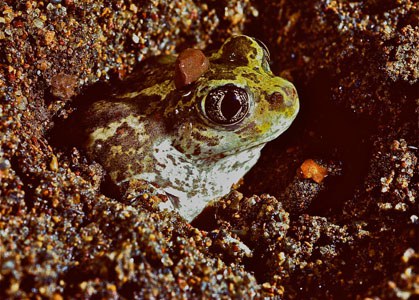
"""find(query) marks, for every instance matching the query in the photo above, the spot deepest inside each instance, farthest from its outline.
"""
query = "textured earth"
(330, 211)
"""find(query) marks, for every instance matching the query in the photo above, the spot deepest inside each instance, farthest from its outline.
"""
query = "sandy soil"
(352, 234)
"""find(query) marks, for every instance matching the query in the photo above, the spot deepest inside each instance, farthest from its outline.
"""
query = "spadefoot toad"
(191, 143)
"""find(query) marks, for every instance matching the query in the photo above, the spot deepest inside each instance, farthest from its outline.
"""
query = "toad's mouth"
(211, 158)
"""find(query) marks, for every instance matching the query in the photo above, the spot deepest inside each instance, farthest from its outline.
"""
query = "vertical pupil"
(226, 105)
(230, 105)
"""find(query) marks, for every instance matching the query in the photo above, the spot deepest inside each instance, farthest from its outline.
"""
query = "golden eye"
(227, 105)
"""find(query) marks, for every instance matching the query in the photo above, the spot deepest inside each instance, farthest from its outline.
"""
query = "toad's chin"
(191, 185)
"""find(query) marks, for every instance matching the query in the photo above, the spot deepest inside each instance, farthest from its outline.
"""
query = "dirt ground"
(350, 235)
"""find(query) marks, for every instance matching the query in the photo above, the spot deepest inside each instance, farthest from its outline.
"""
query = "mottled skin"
(149, 130)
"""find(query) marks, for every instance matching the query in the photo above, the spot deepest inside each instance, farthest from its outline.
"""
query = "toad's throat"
(189, 186)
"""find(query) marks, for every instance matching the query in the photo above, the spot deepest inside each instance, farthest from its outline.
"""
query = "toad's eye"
(227, 105)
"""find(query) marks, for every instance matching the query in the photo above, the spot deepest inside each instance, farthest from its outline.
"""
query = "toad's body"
(192, 143)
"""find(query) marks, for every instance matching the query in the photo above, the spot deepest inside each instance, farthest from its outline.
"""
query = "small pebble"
(4, 164)
(311, 169)
(63, 86)
(190, 65)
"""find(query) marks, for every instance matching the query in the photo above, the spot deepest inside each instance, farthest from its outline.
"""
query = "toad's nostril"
(291, 93)
(276, 100)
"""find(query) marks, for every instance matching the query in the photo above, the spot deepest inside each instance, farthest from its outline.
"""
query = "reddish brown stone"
(311, 169)
(63, 86)
(190, 65)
